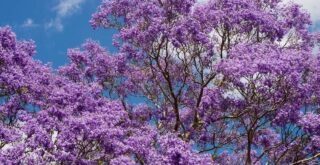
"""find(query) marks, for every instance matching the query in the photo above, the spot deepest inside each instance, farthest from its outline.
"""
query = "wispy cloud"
(29, 23)
(68, 7)
(64, 9)
(55, 23)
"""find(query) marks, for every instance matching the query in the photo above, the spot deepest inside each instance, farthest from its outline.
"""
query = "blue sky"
(55, 25)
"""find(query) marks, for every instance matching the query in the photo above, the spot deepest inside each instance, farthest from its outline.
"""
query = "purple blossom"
(219, 82)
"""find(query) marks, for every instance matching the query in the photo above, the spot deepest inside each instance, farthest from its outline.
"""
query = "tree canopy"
(217, 82)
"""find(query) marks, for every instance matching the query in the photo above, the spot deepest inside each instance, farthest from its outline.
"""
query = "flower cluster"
(65, 118)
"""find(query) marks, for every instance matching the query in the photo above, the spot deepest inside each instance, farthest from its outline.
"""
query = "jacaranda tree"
(192, 83)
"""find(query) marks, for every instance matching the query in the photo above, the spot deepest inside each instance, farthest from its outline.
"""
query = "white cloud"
(28, 23)
(55, 23)
(68, 7)
(64, 9)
